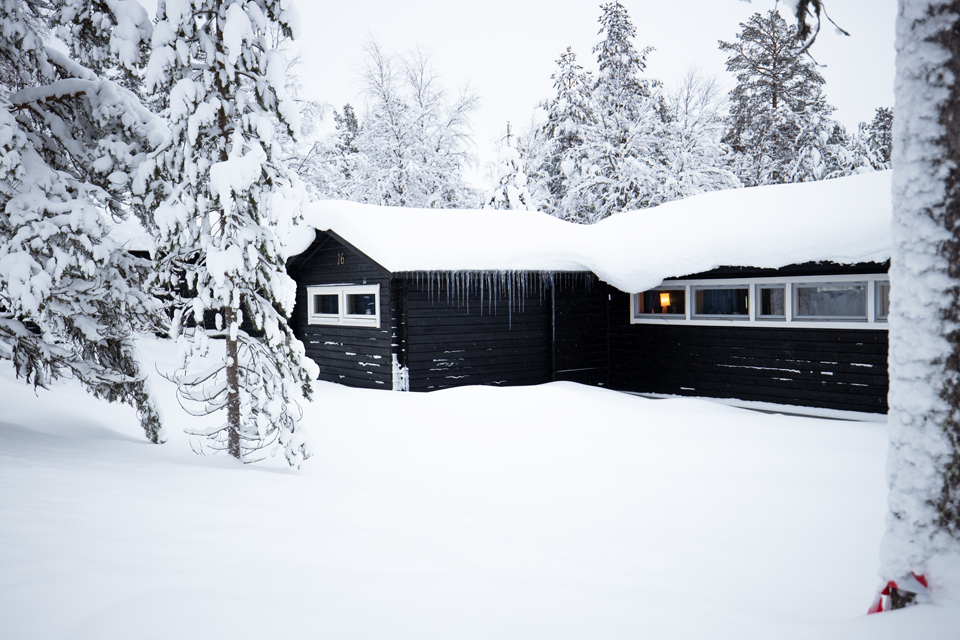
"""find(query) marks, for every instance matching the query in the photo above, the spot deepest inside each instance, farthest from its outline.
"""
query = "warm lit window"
(661, 302)
(883, 301)
(831, 301)
(772, 302)
(356, 305)
(720, 301)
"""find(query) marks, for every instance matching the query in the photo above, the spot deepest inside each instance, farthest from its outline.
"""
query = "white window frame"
(867, 286)
(719, 316)
(753, 291)
(342, 318)
(635, 303)
(876, 300)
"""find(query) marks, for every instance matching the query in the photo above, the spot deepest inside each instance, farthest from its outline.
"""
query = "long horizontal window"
(349, 305)
(839, 301)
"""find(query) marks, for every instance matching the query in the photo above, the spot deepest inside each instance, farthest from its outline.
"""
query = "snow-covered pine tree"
(923, 463)
(779, 118)
(220, 199)
(621, 164)
(923, 525)
(850, 154)
(563, 132)
(70, 297)
(879, 135)
(510, 188)
(348, 128)
(532, 146)
(334, 163)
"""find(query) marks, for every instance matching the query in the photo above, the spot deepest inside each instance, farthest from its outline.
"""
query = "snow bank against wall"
(846, 220)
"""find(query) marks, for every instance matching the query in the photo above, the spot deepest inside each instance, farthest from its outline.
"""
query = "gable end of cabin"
(344, 313)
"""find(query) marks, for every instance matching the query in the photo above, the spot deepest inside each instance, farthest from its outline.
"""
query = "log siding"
(828, 368)
(355, 356)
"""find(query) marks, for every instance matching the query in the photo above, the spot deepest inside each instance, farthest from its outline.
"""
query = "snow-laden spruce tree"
(850, 154)
(563, 132)
(923, 462)
(923, 526)
(779, 117)
(621, 163)
(344, 163)
(220, 198)
(510, 182)
(879, 135)
(70, 138)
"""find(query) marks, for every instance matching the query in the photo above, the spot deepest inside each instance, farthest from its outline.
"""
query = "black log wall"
(453, 337)
(355, 356)
(580, 329)
(830, 368)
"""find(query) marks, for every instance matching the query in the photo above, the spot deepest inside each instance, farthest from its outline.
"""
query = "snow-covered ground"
(557, 511)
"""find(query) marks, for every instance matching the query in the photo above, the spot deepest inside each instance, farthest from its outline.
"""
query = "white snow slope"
(556, 511)
(844, 220)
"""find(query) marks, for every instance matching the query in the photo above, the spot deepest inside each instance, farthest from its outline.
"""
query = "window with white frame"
(348, 305)
(839, 301)
(661, 302)
(772, 301)
(720, 301)
(831, 301)
(883, 301)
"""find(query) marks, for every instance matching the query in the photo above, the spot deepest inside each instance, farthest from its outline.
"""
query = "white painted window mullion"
(788, 302)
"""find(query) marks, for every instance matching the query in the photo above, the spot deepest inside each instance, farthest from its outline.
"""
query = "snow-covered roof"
(846, 220)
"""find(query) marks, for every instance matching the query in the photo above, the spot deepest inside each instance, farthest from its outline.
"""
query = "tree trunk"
(233, 386)
(923, 530)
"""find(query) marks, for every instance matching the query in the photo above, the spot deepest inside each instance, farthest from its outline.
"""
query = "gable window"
(347, 305)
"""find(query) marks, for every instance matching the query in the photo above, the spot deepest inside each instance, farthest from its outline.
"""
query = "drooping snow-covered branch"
(71, 136)
(221, 198)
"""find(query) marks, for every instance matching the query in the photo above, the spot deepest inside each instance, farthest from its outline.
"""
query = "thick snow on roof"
(846, 220)
(403, 239)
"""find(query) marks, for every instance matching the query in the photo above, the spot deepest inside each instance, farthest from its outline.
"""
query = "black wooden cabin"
(366, 326)
(449, 329)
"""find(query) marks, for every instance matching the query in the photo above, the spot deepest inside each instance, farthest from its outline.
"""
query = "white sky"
(507, 48)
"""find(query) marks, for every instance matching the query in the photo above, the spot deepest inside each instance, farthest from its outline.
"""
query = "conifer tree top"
(620, 62)
(769, 71)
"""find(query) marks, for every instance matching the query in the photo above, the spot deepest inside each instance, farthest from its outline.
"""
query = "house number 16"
(340, 259)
